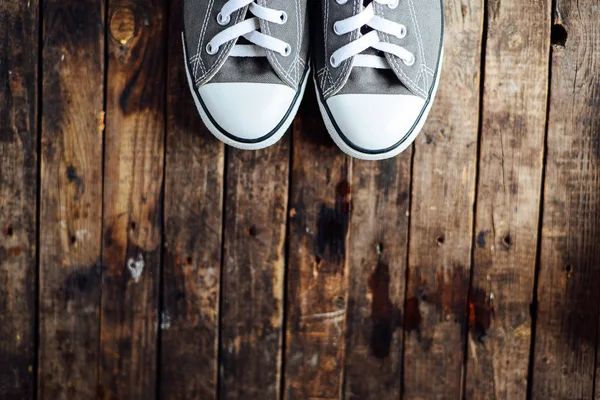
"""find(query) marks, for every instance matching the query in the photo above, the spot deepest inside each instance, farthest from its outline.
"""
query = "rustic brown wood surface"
(133, 194)
(376, 278)
(70, 224)
(142, 259)
(508, 202)
(566, 341)
(253, 268)
(441, 223)
(316, 289)
(192, 240)
(18, 190)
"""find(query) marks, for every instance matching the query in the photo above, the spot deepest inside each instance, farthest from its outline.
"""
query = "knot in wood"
(122, 25)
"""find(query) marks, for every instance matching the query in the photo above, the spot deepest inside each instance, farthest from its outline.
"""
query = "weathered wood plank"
(193, 231)
(71, 193)
(442, 218)
(19, 53)
(133, 179)
(566, 329)
(376, 278)
(316, 286)
(508, 202)
(253, 272)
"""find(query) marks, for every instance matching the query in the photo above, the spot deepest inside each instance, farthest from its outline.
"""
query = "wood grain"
(253, 272)
(377, 300)
(18, 196)
(566, 331)
(133, 179)
(376, 278)
(443, 195)
(70, 203)
(320, 208)
(508, 202)
(193, 231)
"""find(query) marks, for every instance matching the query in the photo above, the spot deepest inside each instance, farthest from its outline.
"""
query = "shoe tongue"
(373, 81)
(246, 69)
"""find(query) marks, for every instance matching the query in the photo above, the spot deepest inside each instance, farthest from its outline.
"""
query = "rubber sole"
(270, 139)
(408, 140)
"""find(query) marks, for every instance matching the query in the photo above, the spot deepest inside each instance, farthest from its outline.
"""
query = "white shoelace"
(354, 49)
(249, 29)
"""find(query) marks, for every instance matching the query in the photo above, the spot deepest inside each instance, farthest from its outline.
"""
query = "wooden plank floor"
(142, 259)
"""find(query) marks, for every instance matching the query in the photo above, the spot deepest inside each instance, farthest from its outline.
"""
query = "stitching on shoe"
(278, 65)
(201, 39)
(406, 79)
(419, 38)
(344, 74)
(298, 48)
(271, 56)
(222, 56)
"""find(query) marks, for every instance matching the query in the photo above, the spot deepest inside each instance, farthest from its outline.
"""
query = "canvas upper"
(246, 101)
(395, 97)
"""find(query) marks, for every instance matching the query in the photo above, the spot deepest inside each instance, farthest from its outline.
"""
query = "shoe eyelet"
(411, 62)
(341, 2)
(336, 29)
(287, 51)
(283, 17)
(211, 50)
(394, 4)
(334, 63)
(222, 20)
(403, 32)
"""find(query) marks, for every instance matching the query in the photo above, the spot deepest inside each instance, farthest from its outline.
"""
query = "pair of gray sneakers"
(376, 68)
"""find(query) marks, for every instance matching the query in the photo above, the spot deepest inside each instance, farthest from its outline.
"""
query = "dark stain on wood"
(73, 177)
(8, 231)
(15, 376)
(332, 225)
(128, 90)
(448, 294)
(7, 134)
(401, 199)
(447, 301)
(65, 346)
(10, 252)
(108, 237)
(82, 281)
(412, 315)
(385, 316)
(481, 239)
(578, 286)
(481, 312)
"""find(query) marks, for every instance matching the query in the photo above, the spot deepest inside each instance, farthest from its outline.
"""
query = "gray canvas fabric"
(424, 22)
(200, 26)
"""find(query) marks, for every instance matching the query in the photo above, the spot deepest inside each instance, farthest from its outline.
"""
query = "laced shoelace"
(249, 29)
(370, 40)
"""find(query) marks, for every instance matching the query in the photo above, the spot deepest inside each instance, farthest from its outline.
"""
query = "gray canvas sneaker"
(246, 63)
(377, 68)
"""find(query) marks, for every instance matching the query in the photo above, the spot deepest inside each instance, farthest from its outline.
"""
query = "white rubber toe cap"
(374, 122)
(247, 111)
